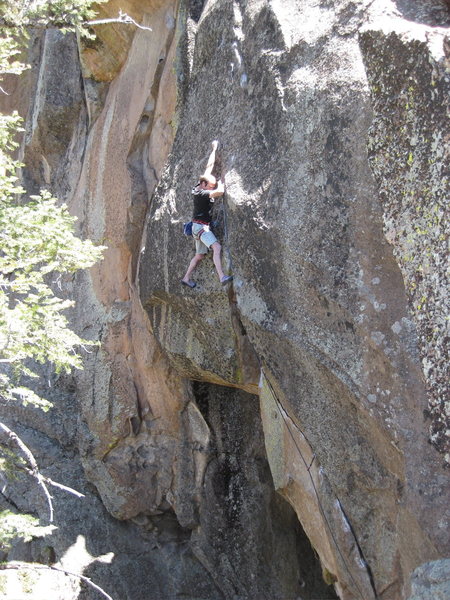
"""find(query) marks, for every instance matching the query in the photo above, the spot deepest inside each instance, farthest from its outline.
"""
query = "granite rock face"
(320, 292)
(269, 439)
(409, 155)
(431, 581)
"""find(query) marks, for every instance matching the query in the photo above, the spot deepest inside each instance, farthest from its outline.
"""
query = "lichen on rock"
(409, 155)
(267, 438)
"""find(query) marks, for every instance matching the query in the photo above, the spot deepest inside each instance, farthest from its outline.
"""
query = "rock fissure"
(236, 476)
(331, 119)
(308, 462)
(361, 556)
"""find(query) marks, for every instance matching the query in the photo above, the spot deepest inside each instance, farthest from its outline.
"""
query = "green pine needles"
(67, 15)
(13, 525)
(38, 244)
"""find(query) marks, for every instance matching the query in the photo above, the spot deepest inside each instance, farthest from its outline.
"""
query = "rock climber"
(203, 195)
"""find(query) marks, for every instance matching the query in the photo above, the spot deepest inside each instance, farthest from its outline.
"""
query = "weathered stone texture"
(317, 289)
(431, 581)
(409, 154)
(239, 513)
(57, 118)
(333, 129)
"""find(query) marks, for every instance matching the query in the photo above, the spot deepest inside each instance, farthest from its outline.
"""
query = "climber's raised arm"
(207, 181)
(211, 160)
(203, 195)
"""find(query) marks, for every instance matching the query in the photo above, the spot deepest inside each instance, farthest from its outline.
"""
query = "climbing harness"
(198, 235)
(187, 228)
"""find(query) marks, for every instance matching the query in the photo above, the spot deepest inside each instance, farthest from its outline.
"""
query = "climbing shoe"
(190, 284)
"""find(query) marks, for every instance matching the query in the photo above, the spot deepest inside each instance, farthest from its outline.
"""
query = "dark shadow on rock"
(427, 12)
(248, 531)
(149, 559)
(195, 8)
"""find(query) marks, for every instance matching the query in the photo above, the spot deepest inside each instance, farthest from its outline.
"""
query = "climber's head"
(208, 182)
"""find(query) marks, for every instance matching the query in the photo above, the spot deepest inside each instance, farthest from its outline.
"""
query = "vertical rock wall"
(331, 117)
(319, 290)
(127, 431)
(408, 144)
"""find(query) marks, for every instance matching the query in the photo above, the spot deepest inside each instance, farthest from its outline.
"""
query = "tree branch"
(20, 565)
(122, 18)
(56, 484)
(32, 462)
(63, 487)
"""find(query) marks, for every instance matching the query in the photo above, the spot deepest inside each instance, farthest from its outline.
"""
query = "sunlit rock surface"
(318, 286)
(431, 581)
(270, 439)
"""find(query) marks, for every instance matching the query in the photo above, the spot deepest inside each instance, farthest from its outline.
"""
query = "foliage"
(11, 463)
(37, 242)
(25, 526)
(38, 245)
(9, 49)
(37, 239)
(67, 15)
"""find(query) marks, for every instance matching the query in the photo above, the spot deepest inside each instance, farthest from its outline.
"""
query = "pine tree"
(37, 246)
(37, 240)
